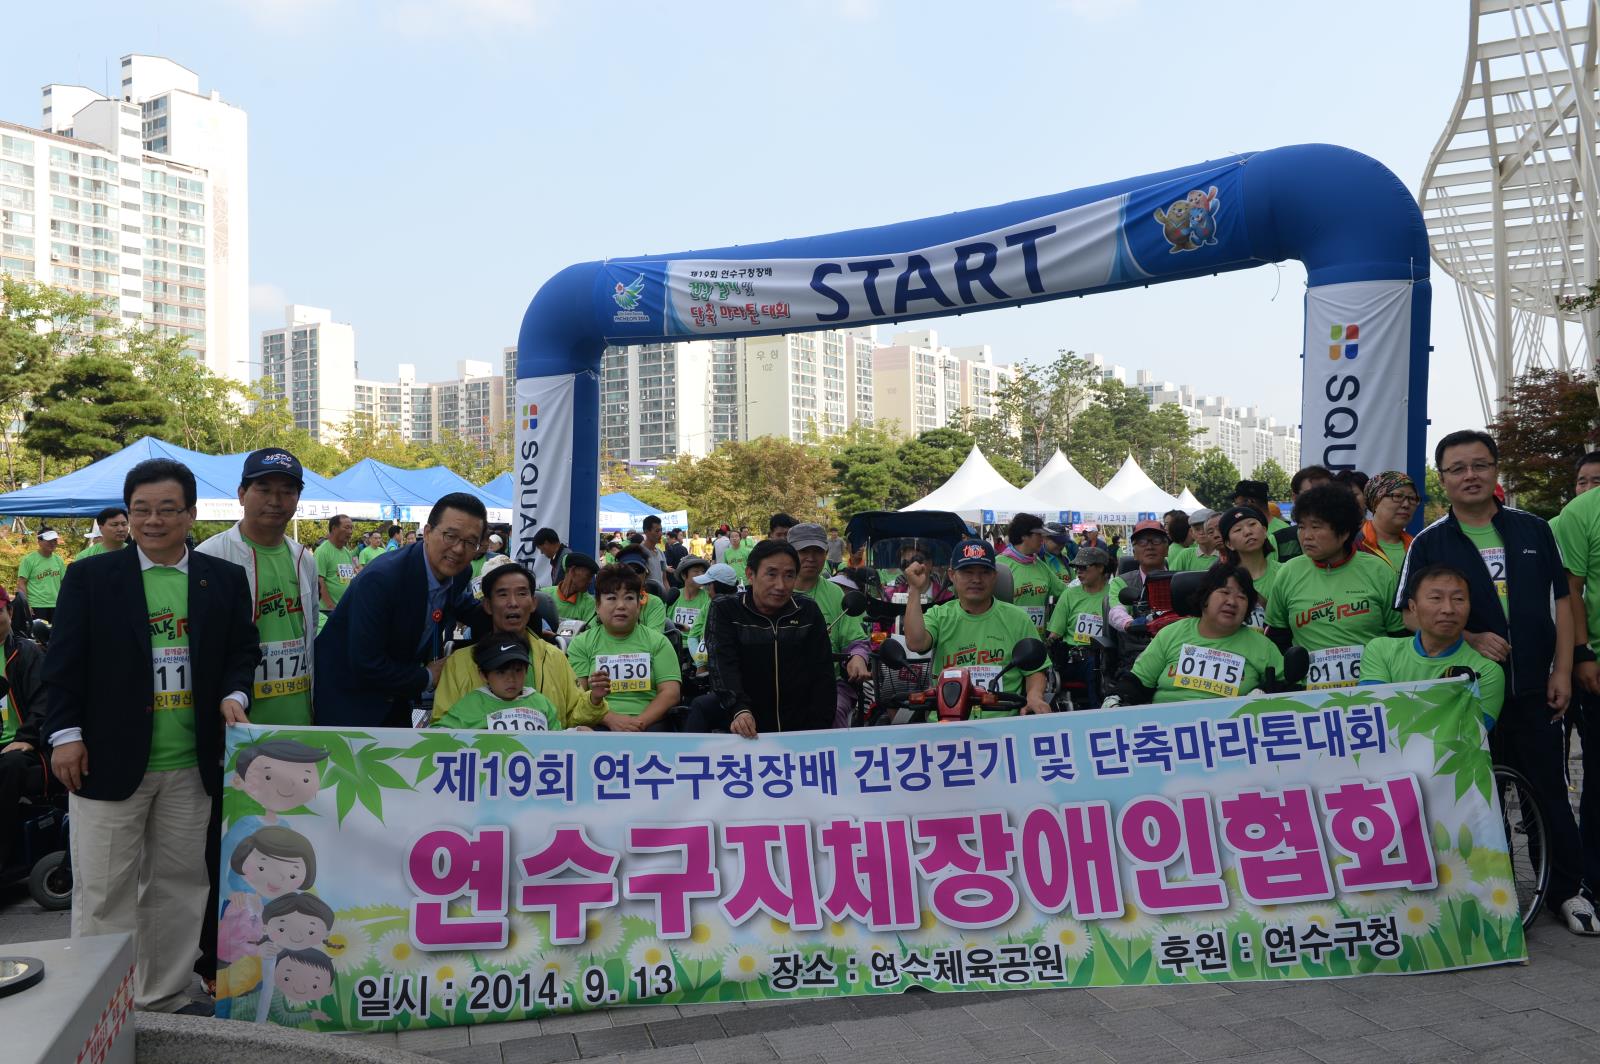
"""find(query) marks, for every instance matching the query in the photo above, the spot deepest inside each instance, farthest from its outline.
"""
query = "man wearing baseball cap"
(39, 575)
(975, 631)
(847, 635)
(1059, 550)
(688, 609)
(1204, 552)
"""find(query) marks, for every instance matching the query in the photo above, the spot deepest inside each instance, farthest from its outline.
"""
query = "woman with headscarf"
(1392, 498)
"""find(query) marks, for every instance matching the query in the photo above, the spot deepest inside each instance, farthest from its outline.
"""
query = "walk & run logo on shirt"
(1332, 611)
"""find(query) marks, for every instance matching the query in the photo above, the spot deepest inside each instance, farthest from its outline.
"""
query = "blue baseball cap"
(270, 460)
(972, 552)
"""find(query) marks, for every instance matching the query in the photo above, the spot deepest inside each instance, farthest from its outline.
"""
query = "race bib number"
(1494, 560)
(983, 675)
(282, 670)
(1258, 618)
(173, 683)
(347, 572)
(1207, 669)
(476, 587)
(900, 598)
(684, 617)
(570, 626)
(1087, 627)
(518, 719)
(697, 652)
(1036, 615)
(1334, 667)
(629, 672)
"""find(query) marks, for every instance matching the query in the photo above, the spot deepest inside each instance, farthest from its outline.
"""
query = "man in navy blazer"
(153, 651)
(381, 651)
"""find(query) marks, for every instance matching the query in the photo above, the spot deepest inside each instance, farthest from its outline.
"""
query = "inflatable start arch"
(1344, 215)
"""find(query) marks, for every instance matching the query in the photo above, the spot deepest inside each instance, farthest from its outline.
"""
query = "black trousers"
(1527, 740)
(22, 775)
(1588, 729)
(707, 715)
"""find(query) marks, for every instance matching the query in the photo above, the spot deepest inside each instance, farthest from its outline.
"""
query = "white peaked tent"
(1059, 484)
(975, 492)
(1134, 489)
(1188, 503)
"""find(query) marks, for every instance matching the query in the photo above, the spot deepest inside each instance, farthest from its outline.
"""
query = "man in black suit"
(153, 649)
(381, 652)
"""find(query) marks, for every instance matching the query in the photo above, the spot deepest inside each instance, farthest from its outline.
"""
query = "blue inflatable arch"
(1345, 216)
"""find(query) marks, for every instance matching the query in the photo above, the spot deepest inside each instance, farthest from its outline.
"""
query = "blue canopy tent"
(501, 487)
(89, 490)
(409, 494)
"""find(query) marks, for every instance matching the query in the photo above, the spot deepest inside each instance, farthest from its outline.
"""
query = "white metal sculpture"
(1509, 192)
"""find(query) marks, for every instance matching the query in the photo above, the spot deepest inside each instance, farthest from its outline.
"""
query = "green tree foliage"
(746, 482)
(1034, 412)
(95, 406)
(1276, 478)
(1549, 420)
(1213, 479)
(867, 477)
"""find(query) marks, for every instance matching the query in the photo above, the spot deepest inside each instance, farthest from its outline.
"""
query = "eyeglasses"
(452, 541)
(1401, 500)
(1461, 469)
(166, 513)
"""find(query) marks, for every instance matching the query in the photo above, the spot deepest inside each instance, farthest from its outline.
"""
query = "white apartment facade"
(141, 201)
(310, 363)
(920, 385)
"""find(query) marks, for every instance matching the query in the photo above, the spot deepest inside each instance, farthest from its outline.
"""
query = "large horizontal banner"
(388, 880)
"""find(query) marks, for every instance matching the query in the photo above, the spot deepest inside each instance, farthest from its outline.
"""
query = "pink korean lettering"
(1279, 845)
(1382, 829)
(873, 878)
(759, 845)
(1155, 832)
(445, 864)
(673, 890)
(969, 863)
(568, 898)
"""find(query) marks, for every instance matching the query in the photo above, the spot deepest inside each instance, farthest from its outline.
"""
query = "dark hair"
(1461, 436)
(1177, 525)
(1429, 572)
(650, 522)
(1023, 525)
(290, 750)
(1591, 458)
(108, 513)
(392, 530)
(336, 519)
(1348, 477)
(766, 549)
(313, 958)
(722, 589)
(298, 902)
(1216, 578)
(470, 505)
(1310, 472)
(280, 843)
(492, 578)
(573, 560)
(614, 579)
(1334, 504)
(546, 535)
(154, 470)
(780, 520)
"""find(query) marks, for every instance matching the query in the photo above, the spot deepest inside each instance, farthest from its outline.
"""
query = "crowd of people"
(154, 650)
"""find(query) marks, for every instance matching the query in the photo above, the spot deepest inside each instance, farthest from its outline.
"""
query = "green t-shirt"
(842, 630)
(1182, 664)
(697, 634)
(689, 617)
(1578, 535)
(8, 716)
(982, 642)
(638, 664)
(1400, 659)
(1175, 557)
(44, 578)
(1269, 577)
(369, 553)
(1492, 549)
(483, 710)
(282, 693)
(737, 557)
(1033, 585)
(1079, 615)
(166, 600)
(1396, 553)
(336, 567)
(579, 609)
(653, 613)
(1192, 561)
(97, 547)
(1334, 612)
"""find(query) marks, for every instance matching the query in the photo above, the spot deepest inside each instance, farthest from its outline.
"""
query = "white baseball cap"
(49, 535)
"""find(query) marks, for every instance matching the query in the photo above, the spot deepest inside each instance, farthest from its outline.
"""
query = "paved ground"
(1544, 1011)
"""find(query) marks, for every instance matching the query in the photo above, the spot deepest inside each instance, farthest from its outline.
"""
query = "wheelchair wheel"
(50, 885)
(1526, 841)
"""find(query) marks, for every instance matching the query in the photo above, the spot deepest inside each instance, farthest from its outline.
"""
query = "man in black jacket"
(1519, 617)
(23, 772)
(152, 651)
(770, 659)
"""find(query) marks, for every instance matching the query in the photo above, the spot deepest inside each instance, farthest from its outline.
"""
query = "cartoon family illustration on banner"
(273, 931)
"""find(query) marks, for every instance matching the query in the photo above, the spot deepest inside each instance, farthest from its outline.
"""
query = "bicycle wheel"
(1526, 841)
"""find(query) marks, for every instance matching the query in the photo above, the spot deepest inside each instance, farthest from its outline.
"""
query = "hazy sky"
(422, 166)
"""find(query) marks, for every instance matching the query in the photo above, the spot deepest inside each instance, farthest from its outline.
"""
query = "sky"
(423, 166)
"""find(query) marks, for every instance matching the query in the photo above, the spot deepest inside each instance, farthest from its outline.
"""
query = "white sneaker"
(1111, 702)
(1581, 918)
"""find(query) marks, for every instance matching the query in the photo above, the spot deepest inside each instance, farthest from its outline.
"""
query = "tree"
(1034, 411)
(930, 459)
(1548, 421)
(95, 407)
(867, 477)
(1163, 447)
(362, 437)
(202, 404)
(746, 482)
(1214, 479)
(1276, 478)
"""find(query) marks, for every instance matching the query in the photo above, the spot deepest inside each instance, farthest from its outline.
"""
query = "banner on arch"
(387, 880)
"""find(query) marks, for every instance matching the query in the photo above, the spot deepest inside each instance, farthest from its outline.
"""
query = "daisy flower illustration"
(777, 934)
(1455, 878)
(648, 952)
(452, 968)
(1132, 924)
(348, 948)
(1073, 938)
(1500, 898)
(523, 941)
(1371, 901)
(602, 934)
(705, 941)
(745, 964)
(1417, 916)
(840, 934)
(397, 953)
(556, 961)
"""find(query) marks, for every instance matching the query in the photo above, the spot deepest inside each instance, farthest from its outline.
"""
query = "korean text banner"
(388, 880)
